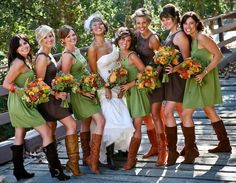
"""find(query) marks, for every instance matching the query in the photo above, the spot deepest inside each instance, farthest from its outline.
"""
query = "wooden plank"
(225, 42)
(227, 60)
(3, 91)
(224, 28)
(5, 151)
(228, 15)
(4, 118)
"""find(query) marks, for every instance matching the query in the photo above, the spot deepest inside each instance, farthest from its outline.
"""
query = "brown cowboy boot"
(161, 159)
(133, 150)
(93, 159)
(153, 151)
(171, 133)
(224, 144)
(190, 151)
(72, 150)
(182, 152)
(85, 140)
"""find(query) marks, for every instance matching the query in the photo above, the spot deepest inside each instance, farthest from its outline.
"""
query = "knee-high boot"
(72, 149)
(85, 144)
(224, 144)
(161, 158)
(110, 160)
(133, 150)
(153, 151)
(190, 150)
(182, 152)
(93, 159)
(18, 161)
(55, 164)
(171, 133)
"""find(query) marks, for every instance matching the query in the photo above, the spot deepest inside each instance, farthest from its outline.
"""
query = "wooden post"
(221, 35)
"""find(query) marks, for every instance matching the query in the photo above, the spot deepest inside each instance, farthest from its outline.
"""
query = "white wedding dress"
(119, 126)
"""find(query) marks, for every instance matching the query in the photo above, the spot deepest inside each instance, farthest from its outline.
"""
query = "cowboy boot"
(19, 171)
(72, 150)
(93, 159)
(161, 158)
(133, 150)
(85, 140)
(153, 151)
(55, 164)
(190, 151)
(182, 152)
(224, 144)
(110, 160)
(171, 133)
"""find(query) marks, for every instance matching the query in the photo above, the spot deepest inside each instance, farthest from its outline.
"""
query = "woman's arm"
(41, 66)
(92, 59)
(15, 69)
(67, 61)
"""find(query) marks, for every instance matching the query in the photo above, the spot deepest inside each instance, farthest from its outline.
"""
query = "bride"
(102, 57)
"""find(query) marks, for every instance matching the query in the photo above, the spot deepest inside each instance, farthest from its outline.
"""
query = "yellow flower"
(113, 77)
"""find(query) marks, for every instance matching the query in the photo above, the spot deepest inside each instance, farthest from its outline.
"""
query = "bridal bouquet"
(147, 80)
(91, 83)
(164, 56)
(189, 68)
(36, 92)
(64, 83)
(118, 76)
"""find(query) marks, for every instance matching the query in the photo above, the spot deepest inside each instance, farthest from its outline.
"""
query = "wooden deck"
(207, 168)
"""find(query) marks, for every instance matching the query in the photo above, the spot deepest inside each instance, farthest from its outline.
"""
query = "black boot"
(19, 170)
(55, 164)
(110, 160)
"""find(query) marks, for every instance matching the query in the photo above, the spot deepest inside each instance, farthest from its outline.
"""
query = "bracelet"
(205, 72)
(12, 88)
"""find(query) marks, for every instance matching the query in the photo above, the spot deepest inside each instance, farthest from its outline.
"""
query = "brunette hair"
(98, 19)
(14, 44)
(64, 31)
(195, 17)
(170, 11)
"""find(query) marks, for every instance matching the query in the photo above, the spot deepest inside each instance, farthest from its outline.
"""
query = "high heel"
(19, 171)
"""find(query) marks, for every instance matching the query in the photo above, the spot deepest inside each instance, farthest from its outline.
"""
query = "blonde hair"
(141, 12)
(42, 31)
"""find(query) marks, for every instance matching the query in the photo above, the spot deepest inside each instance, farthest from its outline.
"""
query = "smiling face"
(190, 26)
(168, 23)
(124, 42)
(48, 41)
(98, 28)
(24, 48)
(142, 24)
(70, 39)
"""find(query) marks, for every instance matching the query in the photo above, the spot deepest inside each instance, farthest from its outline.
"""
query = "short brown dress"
(174, 89)
(51, 110)
(146, 54)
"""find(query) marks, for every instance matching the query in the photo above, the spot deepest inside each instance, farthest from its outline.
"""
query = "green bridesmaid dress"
(209, 92)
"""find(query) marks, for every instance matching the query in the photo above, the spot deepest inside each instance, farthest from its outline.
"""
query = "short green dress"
(21, 115)
(82, 106)
(137, 100)
(209, 92)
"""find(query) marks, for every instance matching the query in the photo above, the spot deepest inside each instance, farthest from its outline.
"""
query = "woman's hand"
(200, 77)
(61, 95)
(108, 93)
(89, 95)
(125, 87)
(169, 69)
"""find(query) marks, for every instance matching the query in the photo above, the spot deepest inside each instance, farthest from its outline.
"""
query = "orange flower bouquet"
(147, 80)
(118, 76)
(64, 83)
(36, 92)
(164, 56)
(189, 68)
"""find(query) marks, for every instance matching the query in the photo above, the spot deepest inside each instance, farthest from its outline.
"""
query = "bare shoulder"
(133, 56)
(18, 63)
(92, 47)
(203, 38)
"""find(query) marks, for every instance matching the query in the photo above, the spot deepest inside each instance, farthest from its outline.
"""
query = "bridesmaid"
(82, 105)
(147, 43)
(137, 101)
(46, 68)
(204, 50)
(174, 89)
(22, 117)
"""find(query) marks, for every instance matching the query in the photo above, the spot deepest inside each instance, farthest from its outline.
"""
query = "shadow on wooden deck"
(207, 167)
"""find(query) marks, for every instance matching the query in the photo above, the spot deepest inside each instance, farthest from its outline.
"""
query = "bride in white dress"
(102, 58)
